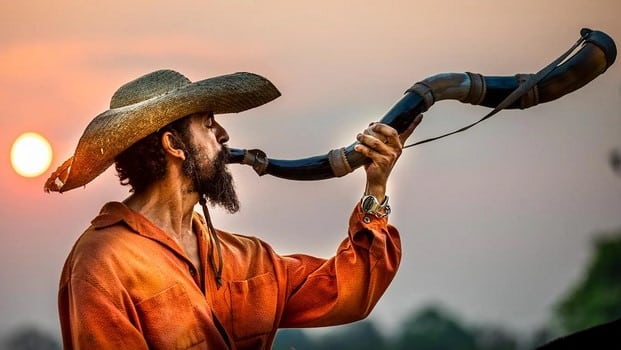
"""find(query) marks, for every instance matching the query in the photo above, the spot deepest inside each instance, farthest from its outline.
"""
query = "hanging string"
(214, 241)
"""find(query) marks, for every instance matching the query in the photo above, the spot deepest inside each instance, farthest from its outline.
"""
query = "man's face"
(208, 154)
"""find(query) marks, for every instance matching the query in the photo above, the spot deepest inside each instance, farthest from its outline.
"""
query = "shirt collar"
(113, 213)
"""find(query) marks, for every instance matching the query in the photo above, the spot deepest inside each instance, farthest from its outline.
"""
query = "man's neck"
(168, 204)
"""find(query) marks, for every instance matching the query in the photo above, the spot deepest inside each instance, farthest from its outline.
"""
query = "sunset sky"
(496, 222)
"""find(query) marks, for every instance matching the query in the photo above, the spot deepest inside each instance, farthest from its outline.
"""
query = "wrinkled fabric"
(127, 285)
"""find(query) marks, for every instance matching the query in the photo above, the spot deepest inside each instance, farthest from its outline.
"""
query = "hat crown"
(148, 86)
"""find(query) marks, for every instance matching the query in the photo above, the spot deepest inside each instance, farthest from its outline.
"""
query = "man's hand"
(383, 145)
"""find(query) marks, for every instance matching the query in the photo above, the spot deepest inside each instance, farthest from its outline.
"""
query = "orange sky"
(511, 203)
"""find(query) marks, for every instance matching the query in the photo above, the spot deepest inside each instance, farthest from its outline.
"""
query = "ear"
(172, 145)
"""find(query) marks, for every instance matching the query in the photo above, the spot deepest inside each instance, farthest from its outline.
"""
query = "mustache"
(224, 154)
(219, 163)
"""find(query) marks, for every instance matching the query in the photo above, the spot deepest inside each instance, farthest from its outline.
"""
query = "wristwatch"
(370, 205)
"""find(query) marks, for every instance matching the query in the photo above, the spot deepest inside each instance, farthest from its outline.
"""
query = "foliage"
(287, 339)
(596, 299)
(30, 338)
(431, 328)
(435, 329)
(360, 336)
(496, 338)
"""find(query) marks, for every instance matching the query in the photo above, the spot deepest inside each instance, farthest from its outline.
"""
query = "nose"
(221, 135)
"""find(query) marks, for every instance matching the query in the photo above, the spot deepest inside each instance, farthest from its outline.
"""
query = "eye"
(209, 124)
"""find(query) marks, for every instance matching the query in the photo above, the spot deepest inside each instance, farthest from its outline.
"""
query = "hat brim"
(115, 130)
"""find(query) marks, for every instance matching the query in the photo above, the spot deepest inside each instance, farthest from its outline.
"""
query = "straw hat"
(148, 103)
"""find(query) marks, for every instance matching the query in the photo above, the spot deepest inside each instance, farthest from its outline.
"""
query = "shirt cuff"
(363, 227)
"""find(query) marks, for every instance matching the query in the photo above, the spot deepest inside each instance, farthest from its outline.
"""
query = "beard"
(213, 177)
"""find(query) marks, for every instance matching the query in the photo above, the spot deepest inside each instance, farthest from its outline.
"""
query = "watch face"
(369, 204)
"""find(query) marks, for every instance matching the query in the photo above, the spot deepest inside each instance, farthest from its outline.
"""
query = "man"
(151, 273)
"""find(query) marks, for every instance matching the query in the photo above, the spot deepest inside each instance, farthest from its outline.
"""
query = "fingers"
(378, 141)
(388, 135)
(382, 132)
(383, 145)
(371, 147)
(378, 135)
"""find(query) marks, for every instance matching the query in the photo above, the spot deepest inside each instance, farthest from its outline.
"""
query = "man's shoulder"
(231, 238)
(107, 230)
(95, 238)
(241, 240)
(97, 244)
(93, 252)
(107, 237)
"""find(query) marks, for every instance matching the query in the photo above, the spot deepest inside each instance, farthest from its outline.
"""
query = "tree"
(495, 338)
(435, 329)
(361, 335)
(596, 298)
(287, 339)
(31, 338)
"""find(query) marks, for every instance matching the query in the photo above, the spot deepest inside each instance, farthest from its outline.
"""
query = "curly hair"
(144, 162)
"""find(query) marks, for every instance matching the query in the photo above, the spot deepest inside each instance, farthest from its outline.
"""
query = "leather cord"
(215, 241)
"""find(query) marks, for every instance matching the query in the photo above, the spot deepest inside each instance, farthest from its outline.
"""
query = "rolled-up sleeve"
(345, 288)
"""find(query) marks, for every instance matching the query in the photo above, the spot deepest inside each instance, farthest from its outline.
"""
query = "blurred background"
(510, 230)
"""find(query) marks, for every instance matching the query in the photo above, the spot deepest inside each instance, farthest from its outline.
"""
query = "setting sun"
(31, 154)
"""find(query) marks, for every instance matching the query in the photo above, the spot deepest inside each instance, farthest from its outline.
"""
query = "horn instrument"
(596, 54)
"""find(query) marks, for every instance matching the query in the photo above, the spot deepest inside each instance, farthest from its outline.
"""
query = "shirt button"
(192, 271)
(366, 220)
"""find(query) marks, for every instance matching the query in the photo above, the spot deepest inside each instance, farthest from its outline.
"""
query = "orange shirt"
(127, 285)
